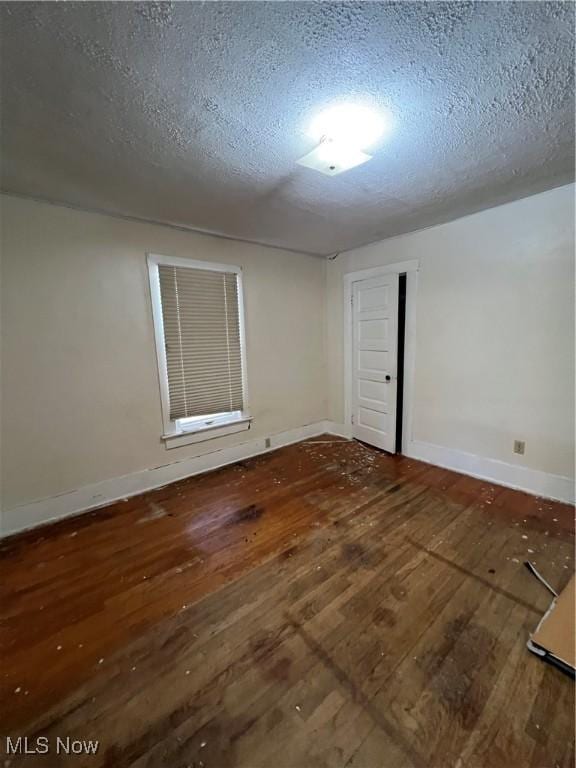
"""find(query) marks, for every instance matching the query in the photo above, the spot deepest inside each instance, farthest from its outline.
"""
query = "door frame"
(410, 268)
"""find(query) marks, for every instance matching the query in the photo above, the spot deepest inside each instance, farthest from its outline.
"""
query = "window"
(199, 326)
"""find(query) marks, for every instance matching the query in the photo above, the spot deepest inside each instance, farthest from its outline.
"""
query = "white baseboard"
(341, 430)
(100, 494)
(509, 475)
(105, 492)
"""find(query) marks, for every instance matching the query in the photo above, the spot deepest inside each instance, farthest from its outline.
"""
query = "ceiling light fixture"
(343, 132)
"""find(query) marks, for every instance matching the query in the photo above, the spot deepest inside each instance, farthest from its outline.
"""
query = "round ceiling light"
(354, 125)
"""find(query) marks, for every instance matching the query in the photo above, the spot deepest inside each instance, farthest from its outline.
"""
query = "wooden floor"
(322, 605)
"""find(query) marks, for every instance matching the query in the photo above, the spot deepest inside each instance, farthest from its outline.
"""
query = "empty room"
(287, 384)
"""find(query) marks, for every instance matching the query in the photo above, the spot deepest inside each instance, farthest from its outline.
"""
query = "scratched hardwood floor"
(324, 605)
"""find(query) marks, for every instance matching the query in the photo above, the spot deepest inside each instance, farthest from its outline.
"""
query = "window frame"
(210, 425)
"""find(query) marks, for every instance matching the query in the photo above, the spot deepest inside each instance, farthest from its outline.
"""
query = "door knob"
(388, 378)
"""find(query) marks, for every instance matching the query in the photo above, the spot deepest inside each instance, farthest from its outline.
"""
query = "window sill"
(186, 437)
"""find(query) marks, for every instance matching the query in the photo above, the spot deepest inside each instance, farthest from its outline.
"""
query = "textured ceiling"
(195, 113)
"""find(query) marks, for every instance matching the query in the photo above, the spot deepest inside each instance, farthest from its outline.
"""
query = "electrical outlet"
(519, 446)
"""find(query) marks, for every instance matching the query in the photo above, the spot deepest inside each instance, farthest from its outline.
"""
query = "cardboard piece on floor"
(555, 637)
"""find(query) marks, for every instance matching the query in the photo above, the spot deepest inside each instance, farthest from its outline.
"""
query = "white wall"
(81, 398)
(80, 395)
(494, 331)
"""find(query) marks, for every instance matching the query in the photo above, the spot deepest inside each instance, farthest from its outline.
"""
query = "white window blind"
(201, 319)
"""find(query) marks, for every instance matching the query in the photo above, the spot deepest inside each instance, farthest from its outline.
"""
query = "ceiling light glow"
(355, 125)
(343, 131)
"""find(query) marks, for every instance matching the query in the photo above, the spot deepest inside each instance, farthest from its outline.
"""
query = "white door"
(375, 360)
